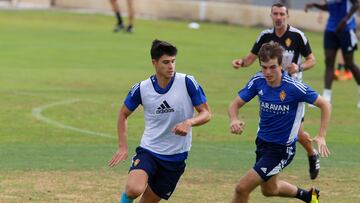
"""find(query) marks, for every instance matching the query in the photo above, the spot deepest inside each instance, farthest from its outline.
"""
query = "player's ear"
(153, 61)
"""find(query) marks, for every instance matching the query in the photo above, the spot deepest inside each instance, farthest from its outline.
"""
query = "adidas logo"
(261, 93)
(263, 169)
(164, 108)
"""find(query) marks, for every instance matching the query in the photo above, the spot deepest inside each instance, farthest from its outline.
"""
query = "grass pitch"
(63, 77)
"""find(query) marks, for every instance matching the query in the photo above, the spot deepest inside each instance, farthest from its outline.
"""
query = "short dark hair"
(160, 48)
(271, 50)
(279, 5)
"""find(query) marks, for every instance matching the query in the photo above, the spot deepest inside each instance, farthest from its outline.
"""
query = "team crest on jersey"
(282, 95)
(136, 162)
(288, 42)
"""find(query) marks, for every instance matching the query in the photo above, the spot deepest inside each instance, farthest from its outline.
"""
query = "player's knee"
(241, 189)
(133, 191)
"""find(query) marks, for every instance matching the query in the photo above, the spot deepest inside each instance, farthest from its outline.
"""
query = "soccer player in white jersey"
(281, 104)
(168, 99)
(296, 46)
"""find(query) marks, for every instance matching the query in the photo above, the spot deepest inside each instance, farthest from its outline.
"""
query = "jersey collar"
(159, 89)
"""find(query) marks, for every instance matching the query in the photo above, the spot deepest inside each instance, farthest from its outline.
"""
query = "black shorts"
(163, 175)
(346, 41)
(271, 158)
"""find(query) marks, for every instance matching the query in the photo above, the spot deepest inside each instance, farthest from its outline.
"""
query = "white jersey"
(161, 113)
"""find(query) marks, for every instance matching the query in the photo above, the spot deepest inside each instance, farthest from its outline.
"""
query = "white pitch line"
(37, 113)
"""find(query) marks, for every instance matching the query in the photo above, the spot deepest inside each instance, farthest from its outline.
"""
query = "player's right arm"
(236, 125)
(244, 62)
(322, 6)
(132, 101)
(342, 24)
(122, 152)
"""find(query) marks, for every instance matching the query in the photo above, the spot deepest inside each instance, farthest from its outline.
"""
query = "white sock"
(327, 94)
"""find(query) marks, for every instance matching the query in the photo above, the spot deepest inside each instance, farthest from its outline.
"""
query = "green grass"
(50, 56)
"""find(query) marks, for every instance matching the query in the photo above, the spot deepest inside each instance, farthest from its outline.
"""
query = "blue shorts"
(347, 41)
(271, 158)
(163, 175)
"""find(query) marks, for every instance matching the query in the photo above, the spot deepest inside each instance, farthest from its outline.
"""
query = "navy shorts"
(346, 41)
(271, 158)
(163, 175)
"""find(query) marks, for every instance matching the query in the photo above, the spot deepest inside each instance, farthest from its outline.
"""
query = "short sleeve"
(133, 99)
(195, 91)
(250, 90)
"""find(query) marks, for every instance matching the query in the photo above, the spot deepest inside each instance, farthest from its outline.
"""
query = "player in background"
(131, 15)
(340, 33)
(341, 71)
(296, 46)
(168, 99)
(280, 104)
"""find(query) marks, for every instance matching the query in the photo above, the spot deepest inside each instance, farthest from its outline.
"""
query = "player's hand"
(120, 155)
(292, 68)
(308, 6)
(237, 127)
(182, 128)
(340, 27)
(322, 147)
(237, 63)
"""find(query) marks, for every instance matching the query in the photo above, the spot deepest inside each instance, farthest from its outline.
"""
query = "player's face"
(165, 66)
(272, 72)
(279, 17)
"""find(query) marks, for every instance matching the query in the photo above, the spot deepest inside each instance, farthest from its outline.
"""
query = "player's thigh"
(137, 180)
(331, 40)
(249, 181)
(142, 168)
(149, 196)
(271, 185)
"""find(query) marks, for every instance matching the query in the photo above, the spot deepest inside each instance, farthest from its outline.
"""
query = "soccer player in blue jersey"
(340, 33)
(296, 46)
(280, 101)
(168, 99)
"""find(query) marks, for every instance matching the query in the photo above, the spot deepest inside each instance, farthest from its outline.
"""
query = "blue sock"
(125, 198)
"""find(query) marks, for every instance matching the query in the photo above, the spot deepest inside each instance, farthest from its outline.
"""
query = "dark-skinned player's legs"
(330, 55)
(349, 62)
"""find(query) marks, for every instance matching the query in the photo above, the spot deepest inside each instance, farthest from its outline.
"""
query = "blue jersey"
(280, 107)
(338, 9)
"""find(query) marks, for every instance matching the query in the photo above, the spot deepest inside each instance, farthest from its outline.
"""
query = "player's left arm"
(305, 50)
(199, 101)
(325, 108)
(203, 116)
(308, 63)
(354, 8)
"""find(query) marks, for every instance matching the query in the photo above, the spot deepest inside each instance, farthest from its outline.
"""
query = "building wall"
(213, 11)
